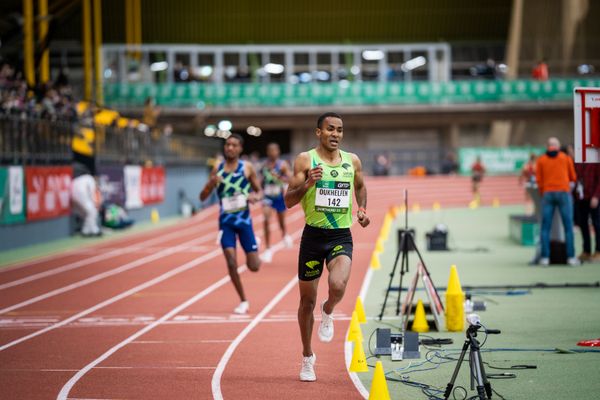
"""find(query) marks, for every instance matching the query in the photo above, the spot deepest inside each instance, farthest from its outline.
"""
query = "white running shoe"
(287, 240)
(573, 262)
(266, 256)
(307, 373)
(325, 331)
(242, 308)
(544, 262)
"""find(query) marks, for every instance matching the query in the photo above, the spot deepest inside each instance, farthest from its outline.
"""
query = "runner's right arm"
(212, 183)
(303, 178)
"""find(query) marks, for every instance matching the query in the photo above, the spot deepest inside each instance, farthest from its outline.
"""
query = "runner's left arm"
(254, 183)
(360, 191)
(286, 172)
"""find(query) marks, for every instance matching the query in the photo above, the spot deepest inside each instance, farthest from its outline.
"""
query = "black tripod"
(484, 389)
(407, 243)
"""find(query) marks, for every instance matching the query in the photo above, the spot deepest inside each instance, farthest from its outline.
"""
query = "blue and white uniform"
(234, 218)
(273, 186)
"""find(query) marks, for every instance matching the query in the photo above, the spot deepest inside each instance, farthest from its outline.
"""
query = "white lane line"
(160, 278)
(125, 267)
(134, 290)
(348, 345)
(128, 266)
(216, 379)
(134, 236)
(64, 392)
(99, 257)
(182, 341)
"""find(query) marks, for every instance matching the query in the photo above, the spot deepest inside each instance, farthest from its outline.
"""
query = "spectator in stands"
(540, 71)
(587, 195)
(151, 113)
(382, 165)
(555, 174)
(86, 200)
(449, 164)
(477, 173)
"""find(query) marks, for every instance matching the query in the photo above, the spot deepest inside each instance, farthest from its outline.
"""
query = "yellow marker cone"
(496, 202)
(385, 232)
(354, 333)
(379, 245)
(436, 206)
(416, 207)
(379, 389)
(154, 216)
(360, 311)
(359, 360)
(473, 204)
(375, 264)
(385, 228)
(420, 322)
(455, 298)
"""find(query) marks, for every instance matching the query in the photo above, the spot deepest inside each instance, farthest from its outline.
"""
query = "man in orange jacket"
(555, 173)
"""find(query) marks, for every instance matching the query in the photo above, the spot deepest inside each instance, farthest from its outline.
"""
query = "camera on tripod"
(478, 375)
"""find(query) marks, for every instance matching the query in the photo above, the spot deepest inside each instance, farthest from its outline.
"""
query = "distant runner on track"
(323, 182)
(233, 178)
(276, 173)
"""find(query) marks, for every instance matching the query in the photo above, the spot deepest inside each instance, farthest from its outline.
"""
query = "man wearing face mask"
(556, 176)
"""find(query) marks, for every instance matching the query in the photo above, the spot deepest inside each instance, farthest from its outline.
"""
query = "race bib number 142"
(332, 196)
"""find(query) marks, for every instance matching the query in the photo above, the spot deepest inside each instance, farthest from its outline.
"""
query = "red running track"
(148, 315)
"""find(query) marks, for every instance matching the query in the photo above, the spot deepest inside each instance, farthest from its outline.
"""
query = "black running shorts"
(321, 245)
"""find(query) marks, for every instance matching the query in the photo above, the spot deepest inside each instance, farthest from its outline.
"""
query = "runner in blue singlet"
(233, 179)
(276, 173)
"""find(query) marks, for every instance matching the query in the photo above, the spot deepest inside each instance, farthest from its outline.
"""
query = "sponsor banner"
(12, 195)
(112, 184)
(496, 160)
(133, 186)
(48, 192)
(153, 185)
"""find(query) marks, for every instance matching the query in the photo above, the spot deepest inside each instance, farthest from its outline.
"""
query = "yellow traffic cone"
(436, 206)
(379, 389)
(496, 202)
(359, 360)
(379, 245)
(360, 311)
(154, 216)
(416, 208)
(375, 263)
(385, 228)
(385, 231)
(420, 322)
(354, 333)
(455, 298)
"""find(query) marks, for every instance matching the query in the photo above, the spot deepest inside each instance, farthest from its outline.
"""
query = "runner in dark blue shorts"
(233, 179)
(276, 173)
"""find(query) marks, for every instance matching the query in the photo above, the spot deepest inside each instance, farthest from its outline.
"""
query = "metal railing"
(276, 63)
(25, 140)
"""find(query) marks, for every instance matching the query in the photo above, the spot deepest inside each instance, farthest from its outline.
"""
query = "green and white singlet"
(328, 204)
